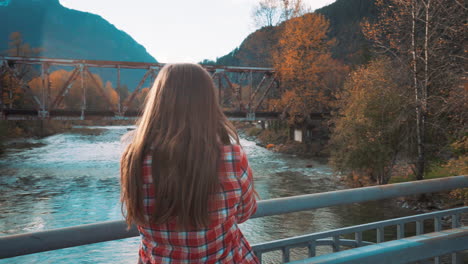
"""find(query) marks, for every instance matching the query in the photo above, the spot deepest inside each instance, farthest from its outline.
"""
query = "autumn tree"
(13, 93)
(83, 93)
(371, 125)
(305, 66)
(427, 38)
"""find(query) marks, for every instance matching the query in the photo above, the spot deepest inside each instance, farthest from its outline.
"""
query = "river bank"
(278, 140)
(25, 133)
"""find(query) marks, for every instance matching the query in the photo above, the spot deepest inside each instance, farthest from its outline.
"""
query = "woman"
(184, 184)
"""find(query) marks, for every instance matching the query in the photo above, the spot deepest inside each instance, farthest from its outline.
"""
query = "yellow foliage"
(369, 129)
(459, 166)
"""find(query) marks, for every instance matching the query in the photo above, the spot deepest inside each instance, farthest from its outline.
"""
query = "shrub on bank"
(273, 137)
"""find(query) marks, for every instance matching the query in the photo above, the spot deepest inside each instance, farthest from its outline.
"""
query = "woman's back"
(176, 176)
(221, 241)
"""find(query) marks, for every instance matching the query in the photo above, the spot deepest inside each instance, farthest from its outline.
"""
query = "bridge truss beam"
(222, 76)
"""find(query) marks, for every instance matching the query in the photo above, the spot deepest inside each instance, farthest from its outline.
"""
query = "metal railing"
(402, 251)
(335, 238)
(29, 243)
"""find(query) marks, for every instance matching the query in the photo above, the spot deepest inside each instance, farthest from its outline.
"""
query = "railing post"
(312, 246)
(380, 235)
(286, 254)
(457, 258)
(437, 228)
(358, 238)
(419, 227)
(455, 221)
(401, 231)
(336, 244)
(437, 224)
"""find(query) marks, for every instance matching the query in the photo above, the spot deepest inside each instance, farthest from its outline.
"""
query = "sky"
(181, 30)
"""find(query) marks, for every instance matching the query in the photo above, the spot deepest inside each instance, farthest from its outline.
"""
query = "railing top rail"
(405, 250)
(124, 64)
(358, 195)
(280, 243)
(29, 243)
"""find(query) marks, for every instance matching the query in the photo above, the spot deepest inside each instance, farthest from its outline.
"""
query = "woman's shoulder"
(233, 153)
(233, 148)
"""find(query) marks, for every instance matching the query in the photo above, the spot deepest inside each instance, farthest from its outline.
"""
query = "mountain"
(345, 17)
(61, 32)
(65, 33)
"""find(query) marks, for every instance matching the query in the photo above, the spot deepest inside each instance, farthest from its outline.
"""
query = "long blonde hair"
(183, 128)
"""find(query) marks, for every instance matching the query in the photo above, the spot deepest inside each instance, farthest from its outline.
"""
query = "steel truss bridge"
(46, 107)
(445, 237)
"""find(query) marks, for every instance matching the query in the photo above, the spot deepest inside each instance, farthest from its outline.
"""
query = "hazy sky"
(181, 30)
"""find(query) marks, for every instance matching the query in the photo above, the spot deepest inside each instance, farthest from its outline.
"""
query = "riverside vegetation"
(398, 113)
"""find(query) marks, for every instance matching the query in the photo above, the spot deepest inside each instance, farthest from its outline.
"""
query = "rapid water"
(73, 179)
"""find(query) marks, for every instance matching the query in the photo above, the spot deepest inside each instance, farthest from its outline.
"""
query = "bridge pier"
(251, 116)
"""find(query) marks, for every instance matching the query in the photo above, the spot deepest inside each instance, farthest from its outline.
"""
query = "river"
(73, 179)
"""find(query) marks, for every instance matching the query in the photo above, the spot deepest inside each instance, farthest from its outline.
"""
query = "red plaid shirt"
(223, 241)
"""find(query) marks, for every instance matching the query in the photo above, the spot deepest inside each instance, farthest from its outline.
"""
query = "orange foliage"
(306, 68)
(111, 93)
(74, 97)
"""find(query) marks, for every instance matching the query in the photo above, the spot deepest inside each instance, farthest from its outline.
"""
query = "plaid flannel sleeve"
(248, 204)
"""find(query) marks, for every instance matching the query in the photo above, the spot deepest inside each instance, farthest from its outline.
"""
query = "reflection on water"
(73, 179)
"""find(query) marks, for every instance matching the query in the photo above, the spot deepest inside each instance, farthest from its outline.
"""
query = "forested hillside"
(344, 16)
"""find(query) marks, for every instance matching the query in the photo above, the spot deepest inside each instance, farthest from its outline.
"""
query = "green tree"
(371, 126)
